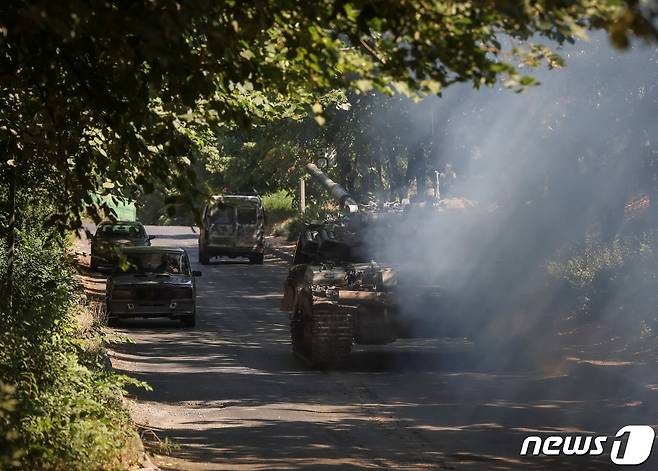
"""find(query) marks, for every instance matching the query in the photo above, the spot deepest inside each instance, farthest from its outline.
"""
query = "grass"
(160, 446)
(279, 206)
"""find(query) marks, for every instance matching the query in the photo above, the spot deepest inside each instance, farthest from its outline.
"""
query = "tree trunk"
(11, 238)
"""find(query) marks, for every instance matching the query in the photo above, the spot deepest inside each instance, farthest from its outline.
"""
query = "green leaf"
(247, 54)
(528, 80)
(364, 85)
(352, 12)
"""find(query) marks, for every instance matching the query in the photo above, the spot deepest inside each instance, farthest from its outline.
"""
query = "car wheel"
(189, 321)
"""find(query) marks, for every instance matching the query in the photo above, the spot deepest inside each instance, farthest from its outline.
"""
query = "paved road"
(232, 396)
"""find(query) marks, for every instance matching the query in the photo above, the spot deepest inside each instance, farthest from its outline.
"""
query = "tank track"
(331, 338)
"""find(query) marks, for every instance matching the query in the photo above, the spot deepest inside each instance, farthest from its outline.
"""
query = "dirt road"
(232, 396)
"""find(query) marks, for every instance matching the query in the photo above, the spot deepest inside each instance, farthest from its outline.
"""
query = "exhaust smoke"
(538, 189)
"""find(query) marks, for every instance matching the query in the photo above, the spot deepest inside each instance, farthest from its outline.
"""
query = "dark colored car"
(112, 236)
(152, 282)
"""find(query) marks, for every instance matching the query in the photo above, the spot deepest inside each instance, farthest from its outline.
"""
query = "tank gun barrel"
(336, 191)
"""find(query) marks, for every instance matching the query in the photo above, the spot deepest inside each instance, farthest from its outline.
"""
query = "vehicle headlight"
(122, 293)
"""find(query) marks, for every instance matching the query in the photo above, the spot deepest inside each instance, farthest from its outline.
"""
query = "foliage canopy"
(118, 94)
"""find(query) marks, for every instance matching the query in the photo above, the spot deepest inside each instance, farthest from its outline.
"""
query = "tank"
(335, 293)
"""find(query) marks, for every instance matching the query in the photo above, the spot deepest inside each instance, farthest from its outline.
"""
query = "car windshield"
(170, 263)
(117, 231)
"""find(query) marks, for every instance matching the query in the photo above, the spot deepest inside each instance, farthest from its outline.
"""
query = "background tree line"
(120, 95)
(390, 147)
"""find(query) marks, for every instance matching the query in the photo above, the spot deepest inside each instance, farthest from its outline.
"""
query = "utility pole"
(11, 236)
(302, 196)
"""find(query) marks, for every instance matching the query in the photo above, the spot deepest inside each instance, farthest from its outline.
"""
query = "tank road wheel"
(297, 334)
(300, 344)
(321, 333)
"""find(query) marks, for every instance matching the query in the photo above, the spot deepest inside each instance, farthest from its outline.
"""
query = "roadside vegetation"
(60, 408)
(284, 219)
(279, 206)
(615, 282)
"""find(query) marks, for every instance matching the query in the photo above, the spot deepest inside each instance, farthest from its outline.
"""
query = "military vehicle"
(233, 226)
(336, 295)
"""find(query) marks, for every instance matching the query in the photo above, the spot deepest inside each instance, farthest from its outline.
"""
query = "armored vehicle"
(233, 226)
(335, 293)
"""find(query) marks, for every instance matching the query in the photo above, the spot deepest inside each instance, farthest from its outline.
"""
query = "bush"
(291, 227)
(279, 206)
(59, 408)
(615, 280)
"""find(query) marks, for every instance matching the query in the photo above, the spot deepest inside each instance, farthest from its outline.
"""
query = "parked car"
(233, 226)
(111, 237)
(152, 282)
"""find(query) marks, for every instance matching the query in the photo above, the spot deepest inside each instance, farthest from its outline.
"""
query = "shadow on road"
(248, 401)
(230, 392)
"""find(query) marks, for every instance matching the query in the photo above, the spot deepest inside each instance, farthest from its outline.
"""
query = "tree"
(115, 94)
